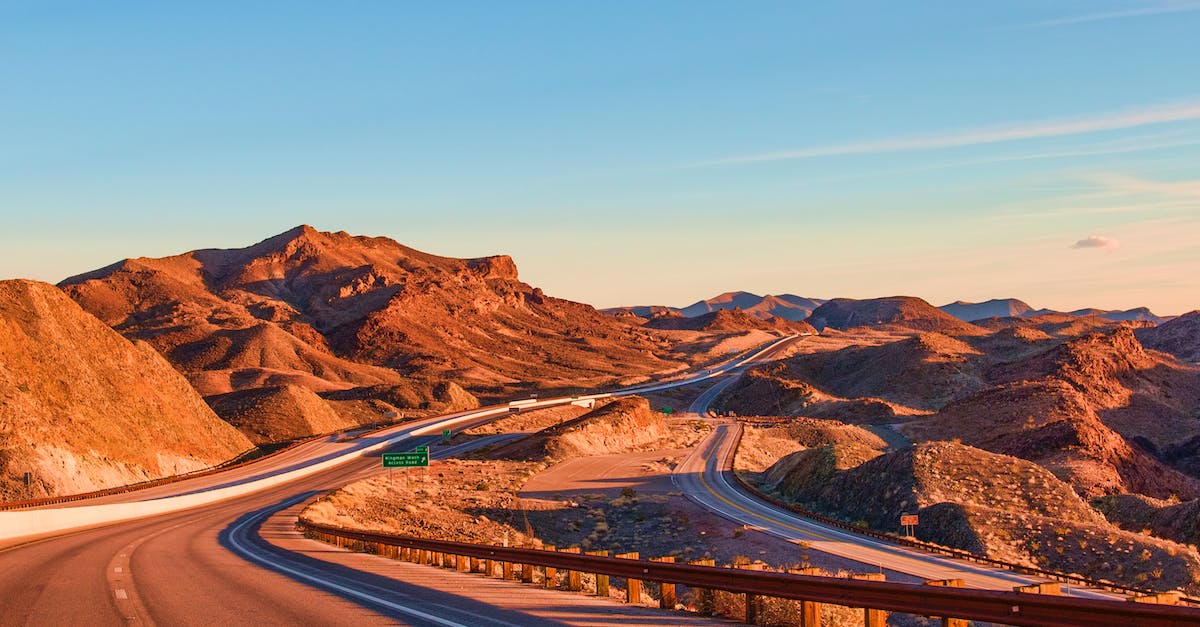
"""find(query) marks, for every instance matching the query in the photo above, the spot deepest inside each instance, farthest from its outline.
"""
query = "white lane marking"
(247, 553)
(121, 594)
(117, 569)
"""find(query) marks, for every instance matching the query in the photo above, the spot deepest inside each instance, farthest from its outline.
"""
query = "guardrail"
(939, 549)
(1013, 608)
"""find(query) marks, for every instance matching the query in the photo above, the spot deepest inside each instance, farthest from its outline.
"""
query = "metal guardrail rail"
(943, 550)
(1012, 608)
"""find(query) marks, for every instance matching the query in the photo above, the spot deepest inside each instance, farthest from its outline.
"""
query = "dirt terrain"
(82, 408)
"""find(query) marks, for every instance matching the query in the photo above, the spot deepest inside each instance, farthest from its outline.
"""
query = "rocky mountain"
(626, 424)
(900, 313)
(331, 311)
(786, 306)
(969, 312)
(1178, 336)
(82, 408)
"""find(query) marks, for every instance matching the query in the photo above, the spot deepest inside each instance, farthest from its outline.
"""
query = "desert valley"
(1040, 441)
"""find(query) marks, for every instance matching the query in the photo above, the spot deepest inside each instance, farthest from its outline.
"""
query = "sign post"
(908, 521)
(417, 457)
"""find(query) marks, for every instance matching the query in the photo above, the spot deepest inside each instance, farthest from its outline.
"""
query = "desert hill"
(1178, 336)
(1054, 324)
(728, 320)
(1137, 314)
(1053, 424)
(626, 424)
(990, 504)
(786, 306)
(82, 408)
(922, 372)
(904, 313)
(995, 308)
(333, 311)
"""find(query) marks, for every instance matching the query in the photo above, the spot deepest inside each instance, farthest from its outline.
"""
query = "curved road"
(211, 564)
(705, 477)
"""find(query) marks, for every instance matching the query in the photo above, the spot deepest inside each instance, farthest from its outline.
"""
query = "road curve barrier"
(1011, 608)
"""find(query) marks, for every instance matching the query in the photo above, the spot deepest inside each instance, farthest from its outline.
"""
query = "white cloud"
(1097, 241)
(1155, 8)
(1111, 121)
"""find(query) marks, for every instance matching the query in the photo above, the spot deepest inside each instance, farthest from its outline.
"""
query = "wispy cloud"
(1129, 118)
(1124, 184)
(1097, 241)
(1154, 8)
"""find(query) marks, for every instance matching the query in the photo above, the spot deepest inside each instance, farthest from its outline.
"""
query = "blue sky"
(625, 152)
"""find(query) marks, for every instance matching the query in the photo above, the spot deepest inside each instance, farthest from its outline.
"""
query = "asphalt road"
(211, 565)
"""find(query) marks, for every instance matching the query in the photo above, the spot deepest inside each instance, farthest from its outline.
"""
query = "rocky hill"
(922, 372)
(332, 311)
(786, 306)
(903, 313)
(82, 408)
(995, 308)
(990, 504)
(1178, 336)
(729, 320)
(278, 414)
(626, 424)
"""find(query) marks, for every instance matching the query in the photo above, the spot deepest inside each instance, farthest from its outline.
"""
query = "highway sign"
(908, 520)
(419, 457)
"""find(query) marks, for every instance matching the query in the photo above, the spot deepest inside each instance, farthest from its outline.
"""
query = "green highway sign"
(419, 457)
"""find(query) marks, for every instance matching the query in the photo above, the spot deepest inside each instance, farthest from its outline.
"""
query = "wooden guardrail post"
(1162, 598)
(751, 600)
(1048, 587)
(549, 573)
(949, 583)
(462, 563)
(872, 617)
(574, 577)
(666, 595)
(601, 580)
(810, 611)
(526, 573)
(703, 597)
(506, 570)
(633, 587)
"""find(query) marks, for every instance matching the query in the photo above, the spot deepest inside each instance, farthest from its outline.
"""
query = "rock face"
(82, 408)
(331, 311)
(969, 312)
(903, 313)
(1178, 336)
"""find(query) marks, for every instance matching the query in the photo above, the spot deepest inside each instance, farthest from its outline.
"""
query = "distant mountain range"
(786, 306)
(1012, 307)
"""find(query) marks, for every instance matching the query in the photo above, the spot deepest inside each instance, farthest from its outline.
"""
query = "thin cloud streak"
(1157, 9)
(1034, 130)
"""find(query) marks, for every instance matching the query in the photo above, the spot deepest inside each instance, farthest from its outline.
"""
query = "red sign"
(908, 520)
